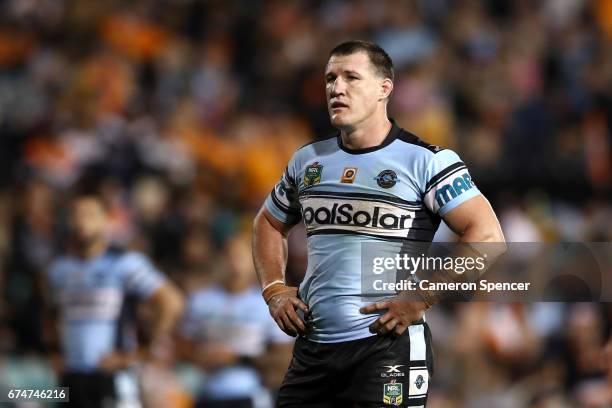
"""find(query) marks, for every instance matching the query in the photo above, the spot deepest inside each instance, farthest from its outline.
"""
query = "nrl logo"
(393, 394)
(312, 174)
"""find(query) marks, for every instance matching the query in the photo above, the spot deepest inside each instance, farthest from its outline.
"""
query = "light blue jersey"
(95, 301)
(240, 321)
(396, 191)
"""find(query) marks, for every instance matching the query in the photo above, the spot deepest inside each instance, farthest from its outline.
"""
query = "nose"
(338, 87)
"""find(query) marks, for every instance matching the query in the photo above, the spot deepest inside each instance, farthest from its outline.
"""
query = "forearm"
(483, 242)
(270, 260)
(269, 250)
(167, 305)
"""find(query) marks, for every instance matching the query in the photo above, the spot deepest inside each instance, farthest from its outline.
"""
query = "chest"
(89, 290)
(376, 193)
(387, 174)
(88, 276)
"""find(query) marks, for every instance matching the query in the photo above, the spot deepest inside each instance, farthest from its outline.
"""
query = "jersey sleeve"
(140, 275)
(283, 201)
(447, 183)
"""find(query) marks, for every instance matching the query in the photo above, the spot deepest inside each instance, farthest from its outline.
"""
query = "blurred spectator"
(93, 289)
(228, 332)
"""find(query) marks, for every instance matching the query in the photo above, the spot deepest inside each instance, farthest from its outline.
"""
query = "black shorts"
(377, 371)
(95, 390)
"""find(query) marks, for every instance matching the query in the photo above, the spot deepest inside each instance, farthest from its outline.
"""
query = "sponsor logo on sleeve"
(453, 188)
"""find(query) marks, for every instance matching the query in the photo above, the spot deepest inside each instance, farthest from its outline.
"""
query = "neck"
(369, 133)
(93, 248)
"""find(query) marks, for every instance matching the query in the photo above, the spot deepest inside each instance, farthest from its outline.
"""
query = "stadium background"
(186, 112)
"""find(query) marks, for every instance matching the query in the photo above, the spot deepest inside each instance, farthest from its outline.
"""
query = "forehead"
(356, 62)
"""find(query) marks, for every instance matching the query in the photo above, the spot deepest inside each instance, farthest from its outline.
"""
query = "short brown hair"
(378, 57)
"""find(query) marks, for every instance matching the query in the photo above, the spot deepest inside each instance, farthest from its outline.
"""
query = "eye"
(352, 78)
(329, 79)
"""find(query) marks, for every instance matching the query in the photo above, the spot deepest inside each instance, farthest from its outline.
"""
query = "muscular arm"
(270, 260)
(269, 247)
(475, 222)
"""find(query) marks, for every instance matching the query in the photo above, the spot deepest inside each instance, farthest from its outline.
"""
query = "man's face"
(88, 220)
(353, 89)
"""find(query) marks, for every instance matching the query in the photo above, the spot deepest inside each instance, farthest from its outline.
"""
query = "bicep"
(266, 222)
(476, 218)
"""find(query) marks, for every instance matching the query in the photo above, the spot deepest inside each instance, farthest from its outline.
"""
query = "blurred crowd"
(186, 112)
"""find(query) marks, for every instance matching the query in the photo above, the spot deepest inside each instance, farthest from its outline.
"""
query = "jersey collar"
(391, 136)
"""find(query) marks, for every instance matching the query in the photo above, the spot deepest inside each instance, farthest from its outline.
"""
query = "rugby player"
(93, 291)
(371, 182)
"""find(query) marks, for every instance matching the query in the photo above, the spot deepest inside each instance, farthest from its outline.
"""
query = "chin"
(340, 121)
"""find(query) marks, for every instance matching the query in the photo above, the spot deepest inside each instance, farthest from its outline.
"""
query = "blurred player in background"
(228, 332)
(94, 290)
(371, 182)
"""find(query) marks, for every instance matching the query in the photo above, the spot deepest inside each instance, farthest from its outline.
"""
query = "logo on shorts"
(348, 175)
(312, 175)
(392, 371)
(419, 382)
(393, 394)
(386, 178)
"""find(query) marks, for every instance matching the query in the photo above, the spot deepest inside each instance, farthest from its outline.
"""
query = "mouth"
(338, 105)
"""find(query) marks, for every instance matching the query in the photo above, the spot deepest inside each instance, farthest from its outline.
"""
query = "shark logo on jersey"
(312, 174)
(386, 178)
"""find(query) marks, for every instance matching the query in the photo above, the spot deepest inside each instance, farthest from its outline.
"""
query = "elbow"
(503, 245)
(495, 237)
(489, 237)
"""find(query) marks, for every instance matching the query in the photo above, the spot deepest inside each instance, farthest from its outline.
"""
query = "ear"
(386, 87)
